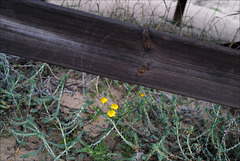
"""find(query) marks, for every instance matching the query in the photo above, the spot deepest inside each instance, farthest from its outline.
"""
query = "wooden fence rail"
(122, 51)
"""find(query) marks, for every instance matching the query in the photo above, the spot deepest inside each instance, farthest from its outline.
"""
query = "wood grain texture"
(106, 47)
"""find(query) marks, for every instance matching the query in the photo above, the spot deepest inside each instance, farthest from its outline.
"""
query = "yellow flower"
(141, 95)
(114, 106)
(111, 113)
(139, 91)
(104, 100)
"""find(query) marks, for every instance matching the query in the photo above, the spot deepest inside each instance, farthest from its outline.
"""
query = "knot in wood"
(147, 43)
(142, 70)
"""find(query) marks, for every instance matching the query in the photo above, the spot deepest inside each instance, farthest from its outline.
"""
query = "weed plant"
(148, 125)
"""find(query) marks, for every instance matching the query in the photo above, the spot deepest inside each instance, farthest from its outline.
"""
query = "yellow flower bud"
(111, 113)
(104, 100)
(114, 106)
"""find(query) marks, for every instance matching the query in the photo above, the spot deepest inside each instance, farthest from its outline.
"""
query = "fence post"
(177, 19)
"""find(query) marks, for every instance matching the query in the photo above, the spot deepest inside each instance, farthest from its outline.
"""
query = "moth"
(142, 70)
(147, 43)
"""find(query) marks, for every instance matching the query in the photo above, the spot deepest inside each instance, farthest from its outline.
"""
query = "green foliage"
(99, 152)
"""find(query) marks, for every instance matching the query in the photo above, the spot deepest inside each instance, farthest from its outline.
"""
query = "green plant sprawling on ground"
(149, 124)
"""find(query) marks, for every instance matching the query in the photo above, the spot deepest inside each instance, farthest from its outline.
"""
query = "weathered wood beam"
(122, 51)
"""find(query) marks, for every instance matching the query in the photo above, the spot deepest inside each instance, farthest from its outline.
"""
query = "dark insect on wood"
(147, 43)
(142, 70)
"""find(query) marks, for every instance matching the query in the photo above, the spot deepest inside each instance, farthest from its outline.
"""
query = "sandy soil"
(11, 151)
